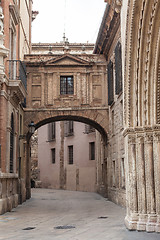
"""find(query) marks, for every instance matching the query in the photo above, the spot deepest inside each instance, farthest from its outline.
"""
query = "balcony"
(17, 78)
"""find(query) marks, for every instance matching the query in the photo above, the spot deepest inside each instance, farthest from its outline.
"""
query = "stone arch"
(157, 85)
(95, 118)
(140, 61)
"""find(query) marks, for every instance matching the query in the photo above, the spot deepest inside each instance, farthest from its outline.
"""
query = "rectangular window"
(114, 174)
(69, 128)
(118, 68)
(66, 85)
(92, 150)
(122, 174)
(121, 112)
(110, 83)
(53, 152)
(70, 154)
(20, 130)
(112, 122)
(51, 131)
(89, 129)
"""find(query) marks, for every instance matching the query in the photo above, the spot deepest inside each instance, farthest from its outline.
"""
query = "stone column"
(131, 183)
(150, 184)
(141, 183)
(28, 171)
(156, 155)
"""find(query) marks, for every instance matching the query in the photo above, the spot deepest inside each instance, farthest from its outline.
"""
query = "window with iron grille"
(68, 128)
(53, 155)
(70, 154)
(92, 150)
(11, 143)
(51, 131)
(66, 85)
(118, 69)
(110, 83)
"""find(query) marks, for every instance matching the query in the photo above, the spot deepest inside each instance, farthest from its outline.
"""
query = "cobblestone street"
(65, 215)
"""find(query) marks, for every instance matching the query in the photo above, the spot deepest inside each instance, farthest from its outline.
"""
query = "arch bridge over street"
(66, 87)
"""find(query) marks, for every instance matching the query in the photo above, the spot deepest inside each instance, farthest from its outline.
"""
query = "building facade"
(134, 27)
(67, 156)
(15, 40)
(109, 44)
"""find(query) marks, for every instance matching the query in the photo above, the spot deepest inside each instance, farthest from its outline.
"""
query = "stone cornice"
(141, 130)
(109, 27)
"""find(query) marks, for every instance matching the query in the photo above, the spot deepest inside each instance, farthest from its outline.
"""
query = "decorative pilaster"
(132, 216)
(150, 185)
(156, 148)
(141, 183)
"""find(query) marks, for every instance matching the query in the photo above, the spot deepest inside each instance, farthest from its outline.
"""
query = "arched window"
(11, 143)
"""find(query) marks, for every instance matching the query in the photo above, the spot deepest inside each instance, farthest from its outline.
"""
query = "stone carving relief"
(148, 138)
(156, 137)
(116, 4)
(131, 139)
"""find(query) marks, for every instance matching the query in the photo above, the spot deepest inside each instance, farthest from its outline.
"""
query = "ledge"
(8, 175)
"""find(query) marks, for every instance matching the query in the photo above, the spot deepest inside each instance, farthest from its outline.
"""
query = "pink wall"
(81, 175)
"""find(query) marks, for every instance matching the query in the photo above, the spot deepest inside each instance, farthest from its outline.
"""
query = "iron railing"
(17, 71)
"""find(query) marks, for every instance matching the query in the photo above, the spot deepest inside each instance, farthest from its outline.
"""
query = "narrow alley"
(65, 215)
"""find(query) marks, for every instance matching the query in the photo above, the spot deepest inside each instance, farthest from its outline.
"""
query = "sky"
(79, 19)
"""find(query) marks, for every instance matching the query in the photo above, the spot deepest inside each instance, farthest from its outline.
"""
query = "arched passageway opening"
(70, 176)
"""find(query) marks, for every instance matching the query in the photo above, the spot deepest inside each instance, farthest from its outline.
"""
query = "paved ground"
(88, 215)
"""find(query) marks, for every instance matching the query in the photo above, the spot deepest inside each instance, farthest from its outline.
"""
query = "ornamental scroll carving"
(116, 4)
(156, 137)
(148, 138)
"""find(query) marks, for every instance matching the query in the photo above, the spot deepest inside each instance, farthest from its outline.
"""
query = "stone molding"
(137, 30)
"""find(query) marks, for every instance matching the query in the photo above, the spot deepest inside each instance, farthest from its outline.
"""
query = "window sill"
(52, 140)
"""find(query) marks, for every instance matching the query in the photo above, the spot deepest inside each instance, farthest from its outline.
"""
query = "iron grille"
(17, 71)
(53, 151)
(118, 68)
(110, 83)
(66, 85)
(51, 131)
(92, 150)
(70, 154)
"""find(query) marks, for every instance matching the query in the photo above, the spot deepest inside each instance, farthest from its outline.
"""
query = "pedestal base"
(141, 224)
(131, 221)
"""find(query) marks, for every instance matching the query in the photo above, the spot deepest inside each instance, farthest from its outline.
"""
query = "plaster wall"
(81, 175)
